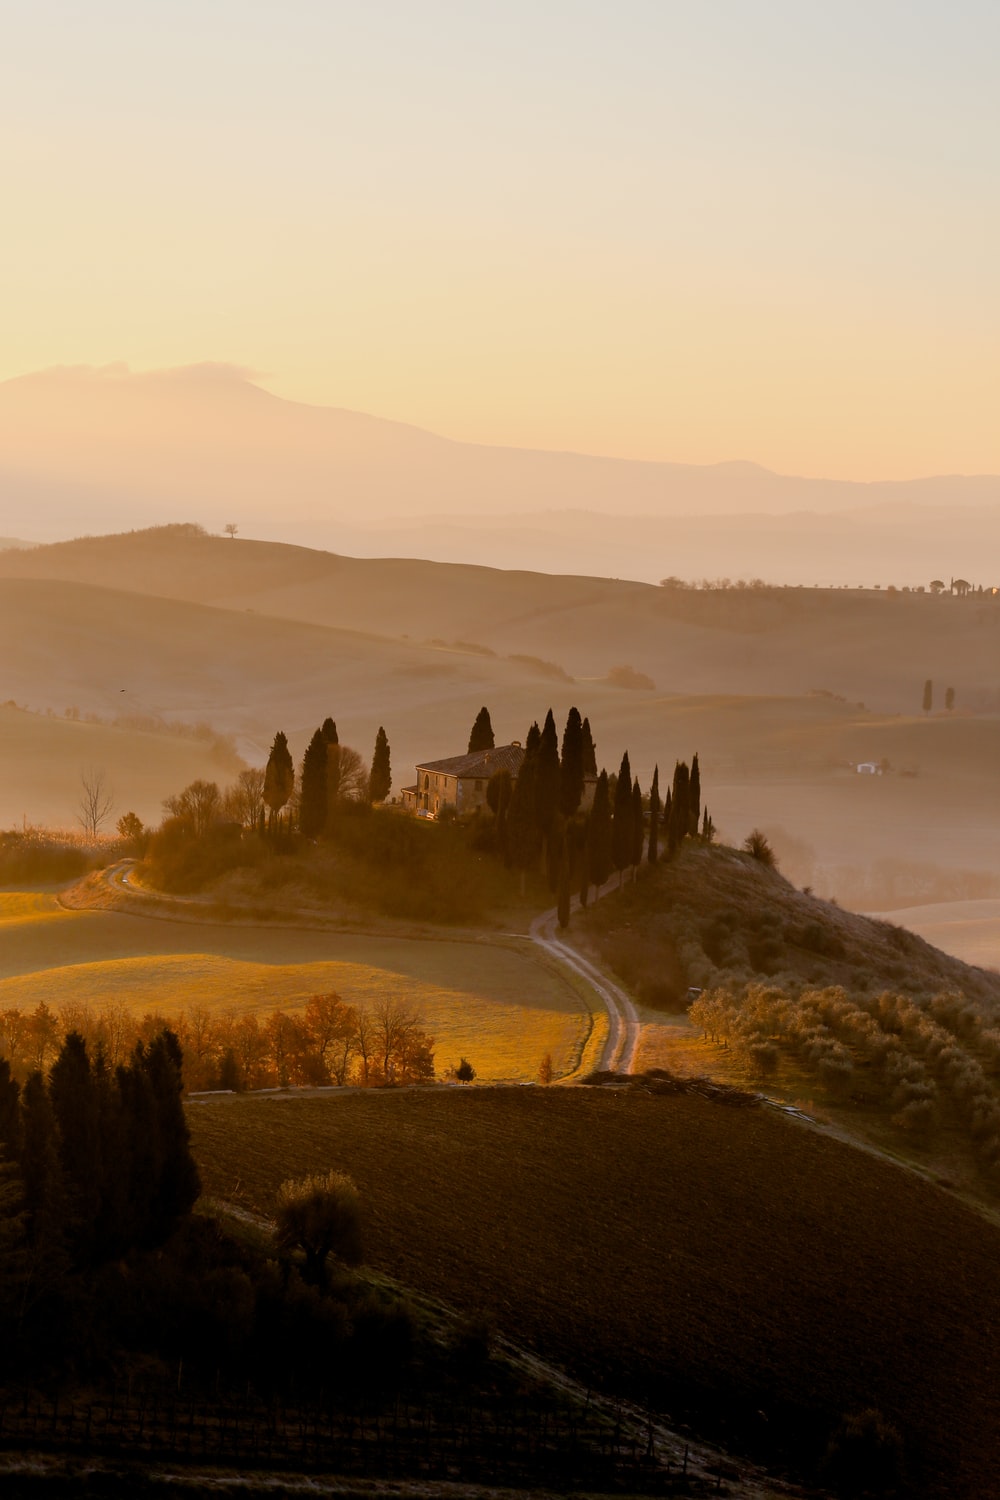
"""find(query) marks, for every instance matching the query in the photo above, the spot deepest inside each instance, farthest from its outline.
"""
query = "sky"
(744, 229)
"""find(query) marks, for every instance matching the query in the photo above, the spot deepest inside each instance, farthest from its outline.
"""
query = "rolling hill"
(779, 690)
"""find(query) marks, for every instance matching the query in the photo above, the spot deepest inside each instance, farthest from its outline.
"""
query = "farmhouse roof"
(480, 763)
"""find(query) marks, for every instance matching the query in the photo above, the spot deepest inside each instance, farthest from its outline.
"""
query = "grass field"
(493, 1003)
(731, 1267)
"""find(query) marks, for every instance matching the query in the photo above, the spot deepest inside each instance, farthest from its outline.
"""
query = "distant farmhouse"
(460, 781)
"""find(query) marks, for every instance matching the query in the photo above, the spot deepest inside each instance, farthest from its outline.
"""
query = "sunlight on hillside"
(473, 1002)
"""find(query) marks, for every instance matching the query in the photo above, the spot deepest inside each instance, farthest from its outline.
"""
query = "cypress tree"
(599, 831)
(928, 695)
(637, 833)
(41, 1175)
(532, 740)
(380, 779)
(14, 1262)
(332, 767)
(75, 1105)
(481, 736)
(668, 809)
(10, 1112)
(312, 787)
(523, 840)
(694, 796)
(571, 765)
(279, 777)
(621, 838)
(547, 797)
(653, 853)
(679, 824)
(563, 903)
(178, 1183)
(589, 750)
(111, 1231)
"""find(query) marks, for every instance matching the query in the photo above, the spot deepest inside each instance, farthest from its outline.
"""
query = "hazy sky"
(762, 229)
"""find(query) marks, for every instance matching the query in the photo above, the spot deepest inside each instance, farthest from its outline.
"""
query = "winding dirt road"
(625, 1028)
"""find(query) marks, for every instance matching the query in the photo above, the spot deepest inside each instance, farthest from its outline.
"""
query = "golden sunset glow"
(762, 232)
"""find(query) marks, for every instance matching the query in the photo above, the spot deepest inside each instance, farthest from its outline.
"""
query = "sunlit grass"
(492, 1004)
(28, 906)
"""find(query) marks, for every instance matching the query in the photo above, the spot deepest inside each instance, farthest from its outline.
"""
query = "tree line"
(327, 1042)
(540, 820)
(94, 1163)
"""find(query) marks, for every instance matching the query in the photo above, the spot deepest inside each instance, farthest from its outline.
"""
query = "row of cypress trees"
(325, 767)
(94, 1163)
(538, 814)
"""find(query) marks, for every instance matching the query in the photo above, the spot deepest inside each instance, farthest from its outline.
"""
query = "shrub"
(756, 845)
(319, 1215)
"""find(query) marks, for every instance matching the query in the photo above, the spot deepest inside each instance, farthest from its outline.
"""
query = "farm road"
(624, 1027)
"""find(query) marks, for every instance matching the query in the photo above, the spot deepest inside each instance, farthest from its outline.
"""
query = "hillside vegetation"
(727, 1266)
(890, 1037)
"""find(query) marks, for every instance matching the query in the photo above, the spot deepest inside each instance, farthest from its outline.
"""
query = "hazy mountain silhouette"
(85, 450)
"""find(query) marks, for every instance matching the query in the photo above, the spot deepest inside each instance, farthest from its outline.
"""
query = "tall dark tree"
(589, 750)
(599, 834)
(571, 765)
(653, 852)
(279, 777)
(312, 787)
(178, 1183)
(621, 836)
(329, 731)
(680, 820)
(14, 1262)
(694, 796)
(499, 789)
(523, 838)
(563, 901)
(532, 740)
(75, 1105)
(547, 798)
(949, 698)
(481, 735)
(41, 1176)
(928, 695)
(380, 779)
(637, 830)
(10, 1112)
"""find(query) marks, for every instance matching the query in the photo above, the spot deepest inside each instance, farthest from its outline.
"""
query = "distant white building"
(868, 768)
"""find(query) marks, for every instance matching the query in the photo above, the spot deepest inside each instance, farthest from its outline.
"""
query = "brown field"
(731, 1267)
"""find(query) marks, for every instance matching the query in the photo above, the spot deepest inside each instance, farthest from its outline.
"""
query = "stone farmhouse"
(460, 781)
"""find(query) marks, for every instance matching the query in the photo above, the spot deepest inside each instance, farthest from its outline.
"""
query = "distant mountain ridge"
(85, 450)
